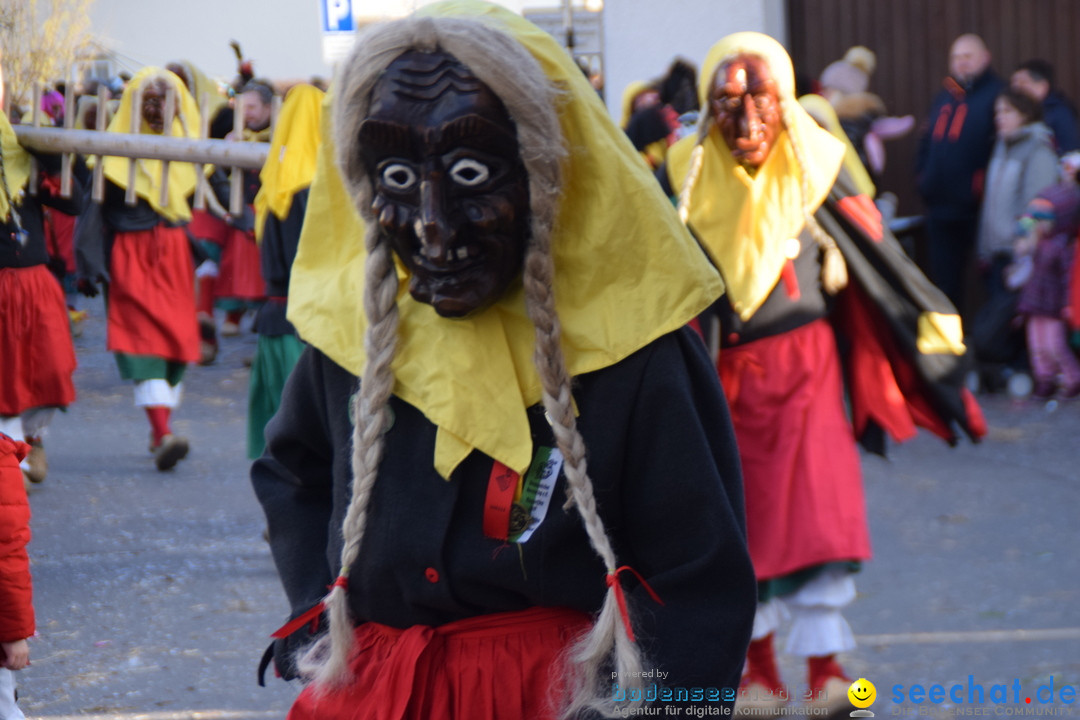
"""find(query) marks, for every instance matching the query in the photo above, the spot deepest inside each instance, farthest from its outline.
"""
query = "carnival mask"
(153, 104)
(746, 103)
(450, 191)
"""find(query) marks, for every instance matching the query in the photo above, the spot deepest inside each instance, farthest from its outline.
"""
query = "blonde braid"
(592, 652)
(697, 162)
(834, 277)
(327, 661)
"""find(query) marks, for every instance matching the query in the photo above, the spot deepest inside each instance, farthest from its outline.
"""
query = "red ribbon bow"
(312, 615)
(620, 597)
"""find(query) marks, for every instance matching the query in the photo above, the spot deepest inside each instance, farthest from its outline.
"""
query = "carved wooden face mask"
(153, 105)
(450, 191)
(746, 104)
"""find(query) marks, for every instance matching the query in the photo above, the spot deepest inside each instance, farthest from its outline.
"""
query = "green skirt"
(149, 367)
(789, 584)
(274, 359)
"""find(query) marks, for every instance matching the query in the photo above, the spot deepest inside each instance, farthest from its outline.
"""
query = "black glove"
(57, 266)
(284, 651)
(87, 287)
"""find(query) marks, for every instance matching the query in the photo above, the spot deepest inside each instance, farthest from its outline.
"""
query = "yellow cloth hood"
(626, 272)
(629, 95)
(148, 172)
(294, 149)
(16, 167)
(743, 219)
(201, 83)
(825, 114)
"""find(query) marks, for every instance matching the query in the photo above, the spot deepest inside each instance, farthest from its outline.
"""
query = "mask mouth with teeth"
(450, 191)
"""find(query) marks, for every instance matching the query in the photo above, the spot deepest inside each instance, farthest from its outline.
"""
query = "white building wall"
(642, 37)
(282, 37)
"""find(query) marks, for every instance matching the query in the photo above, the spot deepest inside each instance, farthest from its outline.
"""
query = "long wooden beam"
(226, 153)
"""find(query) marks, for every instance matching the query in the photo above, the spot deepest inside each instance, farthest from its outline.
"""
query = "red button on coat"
(732, 338)
(432, 575)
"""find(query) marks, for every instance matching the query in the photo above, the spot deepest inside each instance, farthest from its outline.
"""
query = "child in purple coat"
(1053, 219)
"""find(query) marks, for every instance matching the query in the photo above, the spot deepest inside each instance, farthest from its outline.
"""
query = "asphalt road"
(155, 593)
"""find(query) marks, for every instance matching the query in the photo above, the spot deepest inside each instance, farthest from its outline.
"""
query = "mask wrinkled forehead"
(749, 43)
(429, 86)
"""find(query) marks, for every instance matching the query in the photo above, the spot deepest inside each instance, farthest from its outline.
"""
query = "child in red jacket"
(16, 608)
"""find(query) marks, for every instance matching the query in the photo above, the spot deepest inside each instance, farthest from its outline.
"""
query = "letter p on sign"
(339, 16)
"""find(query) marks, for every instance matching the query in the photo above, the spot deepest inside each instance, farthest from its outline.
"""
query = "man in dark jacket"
(1035, 78)
(953, 153)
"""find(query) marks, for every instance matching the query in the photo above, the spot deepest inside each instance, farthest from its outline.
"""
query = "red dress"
(36, 352)
(205, 225)
(801, 472)
(457, 671)
(240, 274)
(152, 295)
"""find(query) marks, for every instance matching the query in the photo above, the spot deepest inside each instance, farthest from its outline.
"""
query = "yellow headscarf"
(653, 154)
(294, 148)
(744, 220)
(148, 172)
(16, 167)
(823, 112)
(626, 272)
(257, 135)
(203, 83)
(628, 96)
(82, 108)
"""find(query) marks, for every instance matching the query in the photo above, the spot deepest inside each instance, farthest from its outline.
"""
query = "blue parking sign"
(337, 16)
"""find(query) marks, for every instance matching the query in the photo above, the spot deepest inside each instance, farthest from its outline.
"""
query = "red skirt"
(152, 295)
(59, 237)
(36, 353)
(240, 274)
(801, 473)
(503, 666)
(204, 225)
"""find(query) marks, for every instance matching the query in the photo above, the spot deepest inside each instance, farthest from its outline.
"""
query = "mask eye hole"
(469, 172)
(398, 176)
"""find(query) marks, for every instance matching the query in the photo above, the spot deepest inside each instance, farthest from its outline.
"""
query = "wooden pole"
(35, 120)
(236, 178)
(136, 119)
(249, 155)
(98, 193)
(204, 132)
(69, 123)
(170, 110)
(275, 110)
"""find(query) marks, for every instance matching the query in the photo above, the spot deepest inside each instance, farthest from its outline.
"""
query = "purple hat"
(1059, 204)
(52, 104)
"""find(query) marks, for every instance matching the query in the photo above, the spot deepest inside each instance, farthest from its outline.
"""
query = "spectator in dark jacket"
(953, 153)
(1036, 79)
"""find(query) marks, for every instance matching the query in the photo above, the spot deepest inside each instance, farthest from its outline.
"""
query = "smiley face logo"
(862, 693)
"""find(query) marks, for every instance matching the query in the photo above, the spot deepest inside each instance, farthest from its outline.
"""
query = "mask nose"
(432, 227)
(750, 125)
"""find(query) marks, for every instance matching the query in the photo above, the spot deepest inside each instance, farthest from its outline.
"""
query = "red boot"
(828, 685)
(760, 690)
(208, 344)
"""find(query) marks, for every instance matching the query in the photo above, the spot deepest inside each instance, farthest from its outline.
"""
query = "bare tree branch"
(41, 40)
